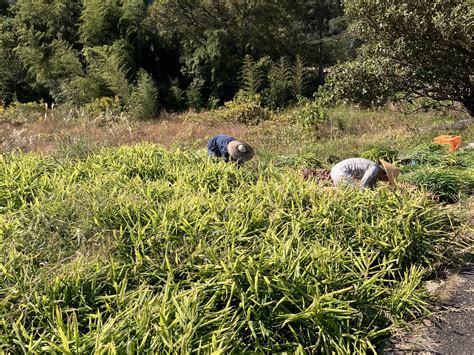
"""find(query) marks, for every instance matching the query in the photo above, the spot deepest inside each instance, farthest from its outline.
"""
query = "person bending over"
(363, 173)
(230, 149)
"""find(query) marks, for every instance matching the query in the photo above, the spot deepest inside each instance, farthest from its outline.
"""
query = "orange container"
(453, 141)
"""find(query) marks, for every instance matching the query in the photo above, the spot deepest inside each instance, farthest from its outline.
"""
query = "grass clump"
(380, 153)
(439, 155)
(140, 249)
(450, 176)
(449, 185)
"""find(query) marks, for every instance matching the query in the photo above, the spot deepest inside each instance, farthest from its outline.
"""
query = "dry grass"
(43, 136)
(348, 132)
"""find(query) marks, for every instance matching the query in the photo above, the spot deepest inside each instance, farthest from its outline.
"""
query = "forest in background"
(146, 56)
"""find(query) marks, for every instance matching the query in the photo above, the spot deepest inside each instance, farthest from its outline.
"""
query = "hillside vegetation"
(149, 56)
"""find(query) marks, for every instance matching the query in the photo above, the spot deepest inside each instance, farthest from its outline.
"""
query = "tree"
(214, 37)
(37, 47)
(99, 21)
(4, 5)
(279, 88)
(108, 64)
(412, 49)
(318, 24)
(13, 76)
(144, 97)
(299, 76)
(78, 50)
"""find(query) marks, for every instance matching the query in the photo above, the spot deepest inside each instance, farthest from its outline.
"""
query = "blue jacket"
(217, 146)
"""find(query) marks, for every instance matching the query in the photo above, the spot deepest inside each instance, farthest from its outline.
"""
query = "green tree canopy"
(215, 36)
(77, 51)
(412, 49)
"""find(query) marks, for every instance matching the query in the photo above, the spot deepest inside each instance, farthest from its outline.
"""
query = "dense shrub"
(309, 113)
(377, 153)
(244, 109)
(105, 104)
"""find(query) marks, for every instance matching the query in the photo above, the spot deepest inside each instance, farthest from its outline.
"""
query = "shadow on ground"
(451, 329)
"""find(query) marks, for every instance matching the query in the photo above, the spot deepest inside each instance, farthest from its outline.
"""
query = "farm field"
(118, 233)
(123, 237)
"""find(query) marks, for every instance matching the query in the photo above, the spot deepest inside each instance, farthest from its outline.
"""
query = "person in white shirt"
(363, 173)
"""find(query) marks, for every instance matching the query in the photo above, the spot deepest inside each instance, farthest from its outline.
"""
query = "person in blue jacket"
(230, 149)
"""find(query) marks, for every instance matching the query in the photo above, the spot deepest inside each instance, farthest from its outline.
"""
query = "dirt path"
(454, 332)
(451, 328)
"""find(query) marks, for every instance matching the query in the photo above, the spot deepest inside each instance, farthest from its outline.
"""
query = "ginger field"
(120, 235)
(146, 249)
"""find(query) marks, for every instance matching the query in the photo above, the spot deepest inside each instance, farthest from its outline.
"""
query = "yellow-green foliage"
(450, 176)
(19, 111)
(105, 104)
(139, 249)
(244, 110)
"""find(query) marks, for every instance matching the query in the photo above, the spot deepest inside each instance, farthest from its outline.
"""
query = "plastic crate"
(454, 142)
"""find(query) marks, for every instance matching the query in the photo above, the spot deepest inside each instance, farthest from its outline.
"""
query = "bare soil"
(450, 330)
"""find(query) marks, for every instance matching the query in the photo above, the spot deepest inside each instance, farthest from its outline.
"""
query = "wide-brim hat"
(240, 151)
(391, 170)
